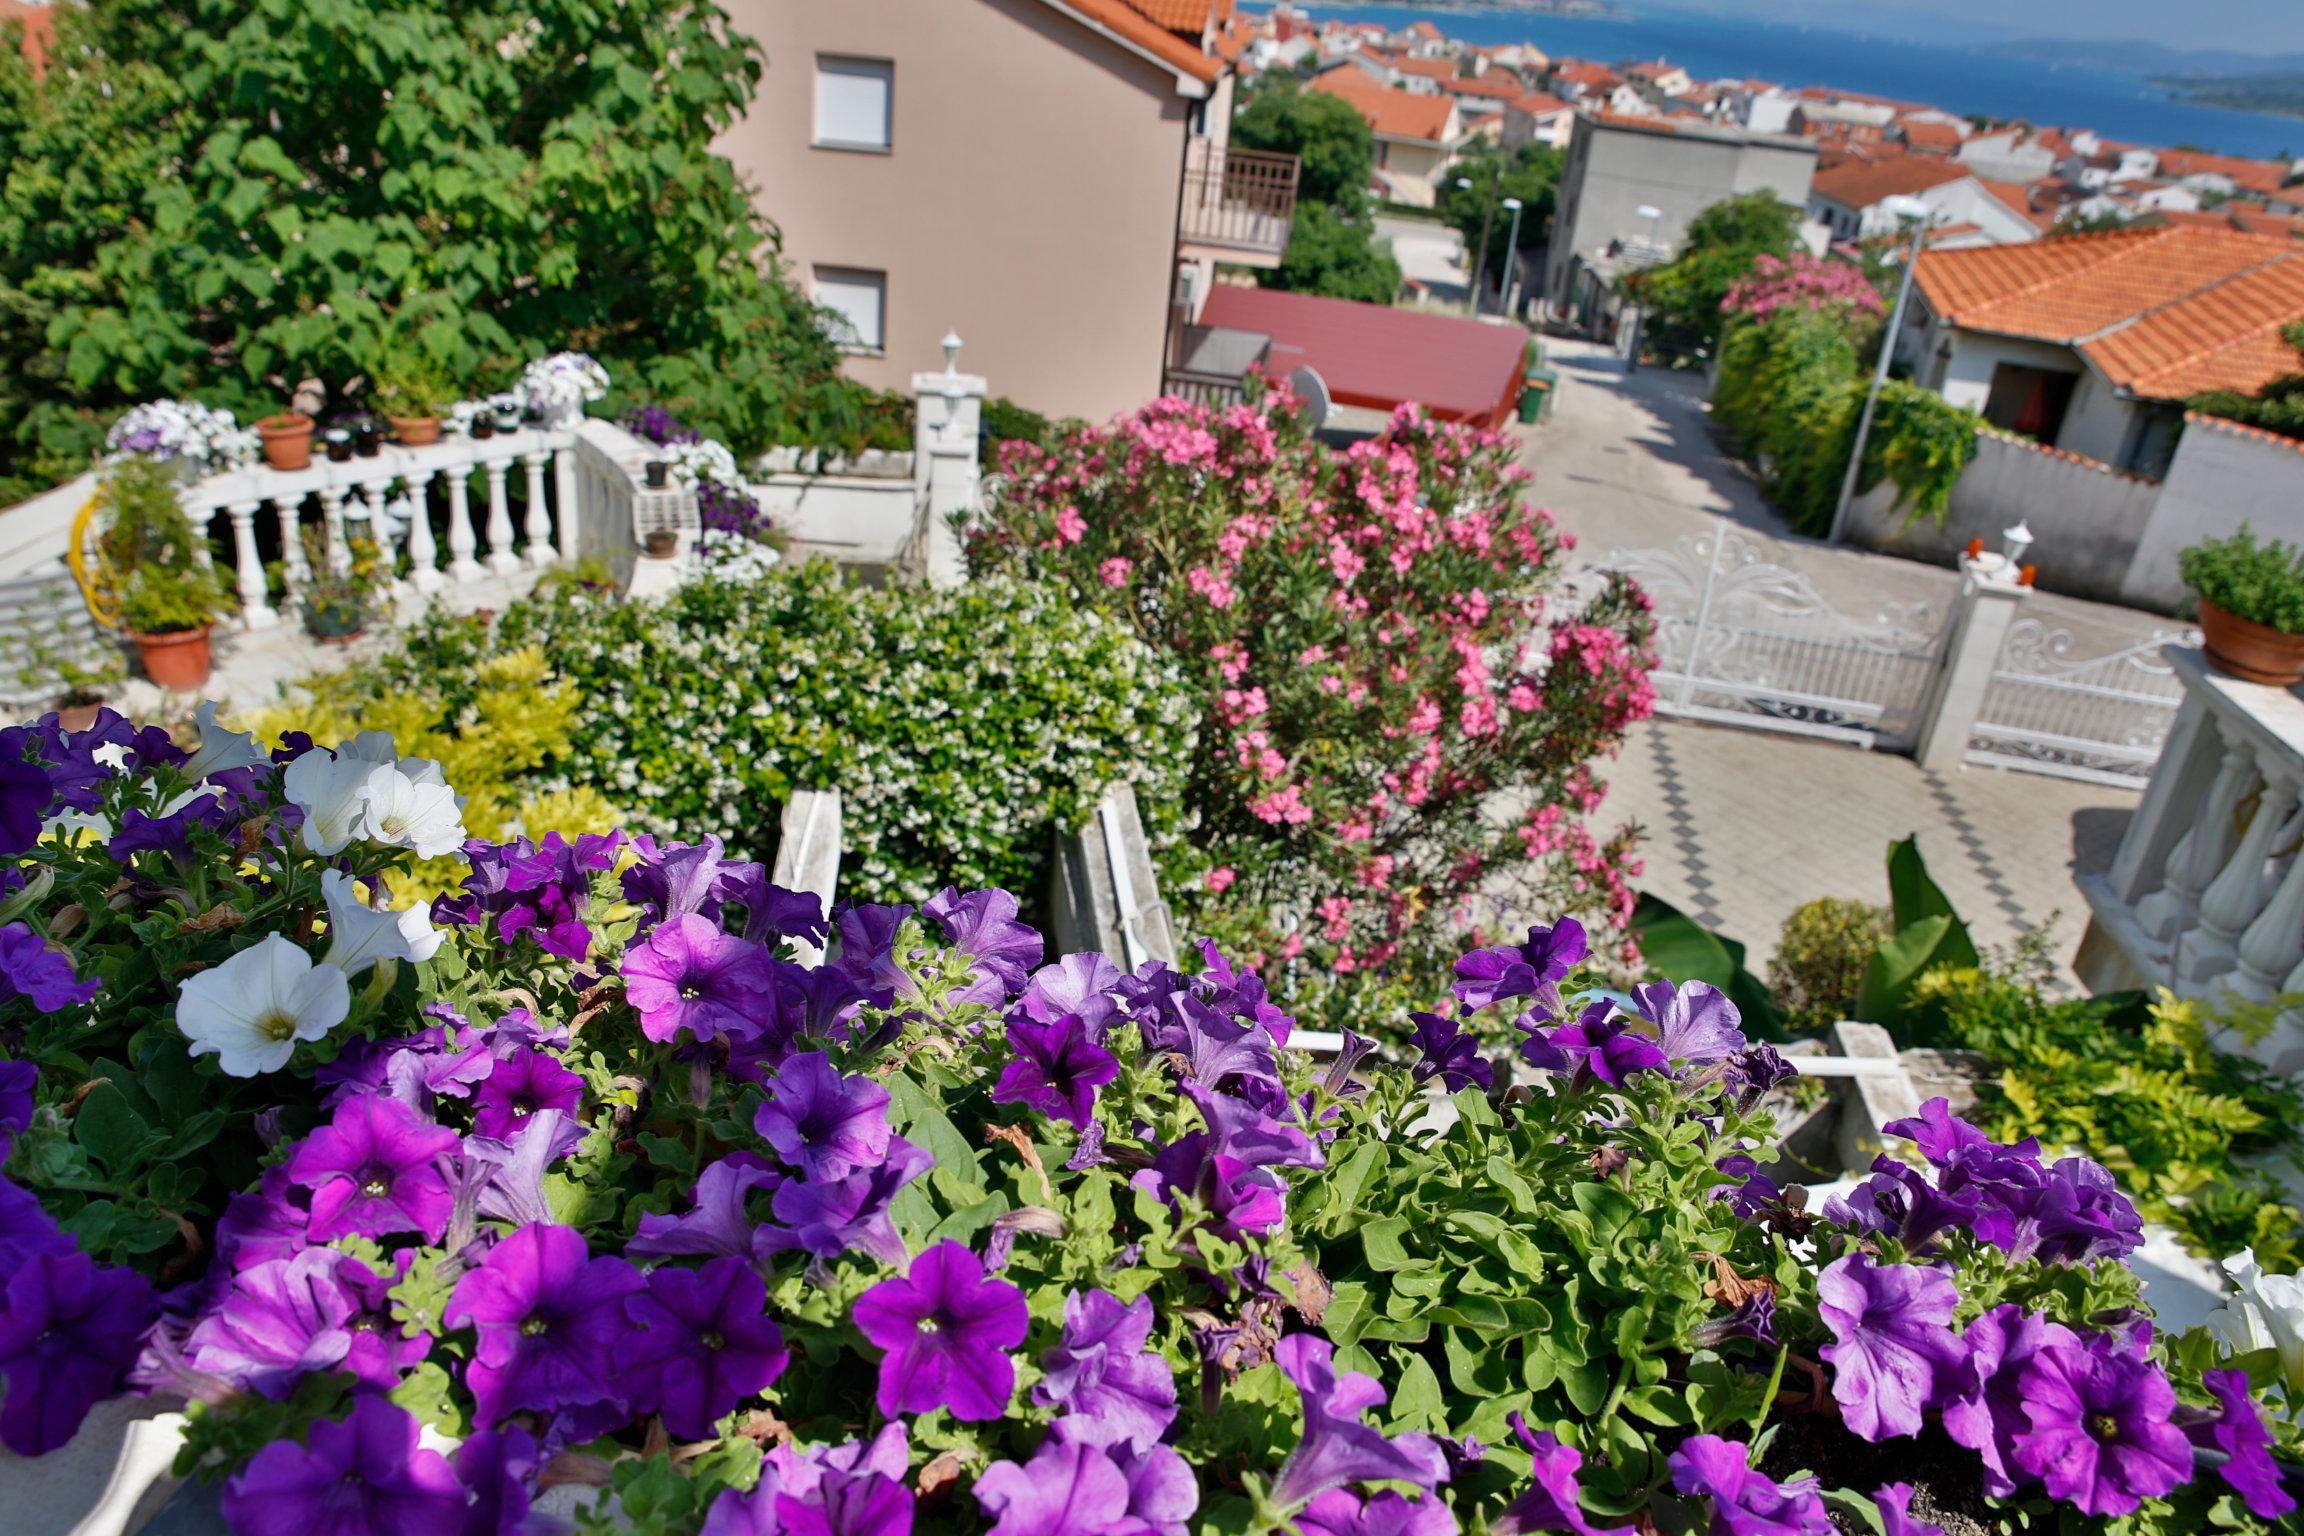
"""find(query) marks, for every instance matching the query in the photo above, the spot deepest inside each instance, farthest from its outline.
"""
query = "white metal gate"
(1745, 642)
(2097, 718)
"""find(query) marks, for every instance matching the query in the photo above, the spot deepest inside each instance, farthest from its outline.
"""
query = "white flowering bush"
(558, 387)
(956, 724)
(183, 431)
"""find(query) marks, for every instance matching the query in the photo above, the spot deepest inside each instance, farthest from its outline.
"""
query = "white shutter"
(852, 102)
(860, 299)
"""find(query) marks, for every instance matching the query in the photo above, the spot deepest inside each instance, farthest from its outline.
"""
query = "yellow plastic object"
(103, 602)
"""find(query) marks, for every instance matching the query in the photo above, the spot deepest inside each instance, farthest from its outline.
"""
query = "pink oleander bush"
(1400, 713)
(1801, 280)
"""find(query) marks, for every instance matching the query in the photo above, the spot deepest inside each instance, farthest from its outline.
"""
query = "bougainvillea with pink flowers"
(1403, 710)
(1802, 280)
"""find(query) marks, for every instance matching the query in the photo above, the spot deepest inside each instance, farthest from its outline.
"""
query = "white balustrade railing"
(2206, 895)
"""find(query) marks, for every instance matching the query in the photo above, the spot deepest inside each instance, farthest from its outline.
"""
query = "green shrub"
(149, 553)
(2263, 583)
(1820, 959)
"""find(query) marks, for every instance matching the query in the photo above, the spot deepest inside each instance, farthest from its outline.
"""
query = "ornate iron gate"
(2098, 718)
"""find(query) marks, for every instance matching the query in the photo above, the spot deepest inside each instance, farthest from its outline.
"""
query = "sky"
(2254, 27)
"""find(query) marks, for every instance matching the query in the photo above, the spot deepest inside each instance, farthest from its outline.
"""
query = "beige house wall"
(1028, 200)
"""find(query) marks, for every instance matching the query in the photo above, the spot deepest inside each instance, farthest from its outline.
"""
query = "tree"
(1530, 173)
(1684, 295)
(1326, 133)
(214, 201)
(1336, 258)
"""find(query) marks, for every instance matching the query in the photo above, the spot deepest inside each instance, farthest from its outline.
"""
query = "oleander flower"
(824, 1123)
(2099, 1434)
(946, 1329)
(250, 1012)
(546, 1314)
(375, 1169)
(1057, 1069)
(1746, 1502)
(524, 1082)
(32, 968)
(359, 935)
(1338, 1449)
(1893, 1351)
(703, 1344)
(690, 976)
(1110, 1388)
(68, 1328)
(361, 1475)
(1554, 1501)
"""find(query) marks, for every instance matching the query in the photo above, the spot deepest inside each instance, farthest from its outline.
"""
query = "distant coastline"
(2282, 95)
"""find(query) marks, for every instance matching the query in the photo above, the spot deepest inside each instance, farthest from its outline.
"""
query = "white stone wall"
(2223, 477)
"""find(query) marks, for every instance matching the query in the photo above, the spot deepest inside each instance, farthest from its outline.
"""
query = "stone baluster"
(502, 558)
(569, 504)
(2207, 955)
(463, 543)
(387, 548)
(423, 551)
(2274, 943)
(540, 551)
(2200, 852)
(295, 570)
(255, 597)
(332, 512)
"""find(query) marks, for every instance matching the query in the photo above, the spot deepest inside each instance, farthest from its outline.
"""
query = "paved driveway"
(1432, 254)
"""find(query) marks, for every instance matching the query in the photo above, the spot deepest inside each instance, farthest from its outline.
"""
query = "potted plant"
(410, 390)
(287, 440)
(338, 598)
(2251, 605)
(151, 555)
(170, 614)
(661, 543)
(338, 444)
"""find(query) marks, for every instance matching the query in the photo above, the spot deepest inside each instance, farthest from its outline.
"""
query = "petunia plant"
(578, 1197)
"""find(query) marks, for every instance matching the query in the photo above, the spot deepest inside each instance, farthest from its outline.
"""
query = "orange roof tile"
(1127, 19)
(2018, 196)
(2257, 222)
(39, 29)
(1860, 185)
(1395, 114)
(1597, 77)
(1426, 31)
(1189, 17)
(2265, 177)
(1541, 104)
(1928, 135)
(1467, 85)
(2226, 336)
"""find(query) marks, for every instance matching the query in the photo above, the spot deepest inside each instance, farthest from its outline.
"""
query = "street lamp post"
(1511, 254)
(1914, 211)
(1487, 221)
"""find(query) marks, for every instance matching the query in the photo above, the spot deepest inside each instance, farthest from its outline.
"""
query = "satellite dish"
(1312, 396)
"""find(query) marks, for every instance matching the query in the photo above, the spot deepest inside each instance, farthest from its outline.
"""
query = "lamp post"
(1905, 209)
(1487, 221)
(1511, 255)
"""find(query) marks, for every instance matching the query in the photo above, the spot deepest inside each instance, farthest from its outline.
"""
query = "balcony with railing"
(1238, 204)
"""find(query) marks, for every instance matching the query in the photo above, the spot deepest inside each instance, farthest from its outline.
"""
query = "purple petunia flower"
(1533, 969)
(26, 792)
(1895, 1505)
(1074, 1488)
(856, 1489)
(2099, 1434)
(1057, 1069)
(364, 1474)
(547, 1314)
(26, 1229)
(523, 1082)
(691, 976)
(835, 1216)
(1598, 1043)
(266, 1223)
(382, 1350)
(1984, 1410)
(1746, 1502)
(717, 1222)
(2237, 1431)
(1446, 1050)
(1077, 984)
(704, 1344)
(1336, 1448)
(1752, 1318)
(1553, 1502)
(946, 1328)
(538, 889)
(31, 968)
(277, 1322)
(1695, 1022)
(670, 880)
(823, 1123)
(2072, 1213)
(1893, 1349)
(1111, 1390)
(18, 1079)
(375, 1169)
(1238, 1197)
(495, 1465)
(982, 925)
(1341, 1512)
(68, 1328)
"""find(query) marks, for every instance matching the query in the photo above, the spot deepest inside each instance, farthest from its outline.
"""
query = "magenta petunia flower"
(946, 1328)
(1341, 1512)
(2100, 1436)
(1068, 1489)
(1895, 1505)
(704, 1344)
(1111, 1389)
(68, 1328)
(691, 976)
(824, 1123)
(30, 967)
(1057, 1069)
(275, 1323)
(1894, 1351)
(2237, 1430)
(1984, 1408)
(523, 1082)
(376, 1169)
(1337, 1448)
(547, 1314)
(1553, 1502)
(835, 1216)
(363, 1475)
(1746, 1502)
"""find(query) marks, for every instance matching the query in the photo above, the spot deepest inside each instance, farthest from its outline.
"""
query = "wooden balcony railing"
(1239, 199)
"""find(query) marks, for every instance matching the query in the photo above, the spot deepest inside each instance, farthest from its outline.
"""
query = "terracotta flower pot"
(287, 441)
(415, 431)
(178, 662)
(661, 543)
(78, 717)
(2252, 652)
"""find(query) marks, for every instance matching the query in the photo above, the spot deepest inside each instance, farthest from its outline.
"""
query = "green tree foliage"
(1330, 255)
(1326, 133)
(1530, 173)
(2277, 407)
(1683, 296)
(213, 200)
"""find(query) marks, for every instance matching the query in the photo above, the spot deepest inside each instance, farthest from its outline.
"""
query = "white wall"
(2223, 477)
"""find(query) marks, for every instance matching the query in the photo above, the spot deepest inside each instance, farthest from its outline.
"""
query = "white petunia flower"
(404, 812)
(360, 935)
(330, 788)
(221, 750)
(2267, 1314)
(250, 1011)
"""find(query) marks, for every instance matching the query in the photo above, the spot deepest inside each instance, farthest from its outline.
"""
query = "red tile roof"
(2161, 312)
(1596, 77)
(2257, 222)
(1129, 19)
(1928, 135)
(1859, 185)
(1190, 17)
(39, 29)
(2264, 177)
(1376, 356)
(1541, 104)
(1395, 114)
(1506, 89)
(1426, 31)
(2018, 196)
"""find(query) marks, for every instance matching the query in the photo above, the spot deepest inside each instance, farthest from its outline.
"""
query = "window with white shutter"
(854, 103)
